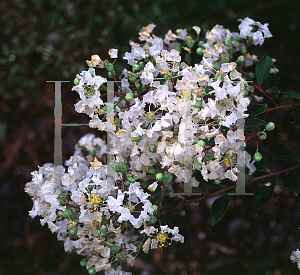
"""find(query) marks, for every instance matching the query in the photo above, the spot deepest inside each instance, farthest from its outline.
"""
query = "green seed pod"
(216, 66)
(153, 148)
(262, 135)
(159, 176)
(135, 68)
(92, 270)
(133, 78)
(110, 74)
(270, 126)
(83, 262)
(110, 239)
(113, 250)
(138, 138)
(129, 96)
(225, 59)
(257, 156)
(198, 166)
(116, 167)
(243, 49)
(201, 43)
(198, 104)
(168, 178)
(217, 181)
(201, 143)
(151, 170)
(239, 38)
(153, 219)
(199, 50)
(132, 179)
(190, 43)
(110, 67)
(240, 59)
(124, 168)
(155, 207)
(73, 231)
(251, 75)
(228, 43)
(76, 81)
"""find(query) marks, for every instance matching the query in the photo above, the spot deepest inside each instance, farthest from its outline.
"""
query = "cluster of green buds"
(167, 178)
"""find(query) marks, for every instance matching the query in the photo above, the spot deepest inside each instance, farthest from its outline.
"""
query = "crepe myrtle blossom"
(166, 116)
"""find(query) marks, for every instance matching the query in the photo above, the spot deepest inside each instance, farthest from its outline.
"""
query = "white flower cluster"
(295, 257)
(169, 120)
(101, 227)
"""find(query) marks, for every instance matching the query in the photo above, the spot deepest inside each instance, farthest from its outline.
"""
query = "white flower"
(113, 53)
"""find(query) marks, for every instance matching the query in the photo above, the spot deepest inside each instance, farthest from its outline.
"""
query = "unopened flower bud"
(159, 176)
(257, 156)
(135, 68)
(198, 104)
(129, 96)
(199, 50)
(262, 135)
(76, 81)
(239, 38)
(201, 143)
(240, 59)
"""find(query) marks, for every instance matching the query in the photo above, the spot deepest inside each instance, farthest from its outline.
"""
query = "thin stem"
(224, 190)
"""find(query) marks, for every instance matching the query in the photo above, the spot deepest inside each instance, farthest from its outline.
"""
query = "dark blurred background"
(50, 40)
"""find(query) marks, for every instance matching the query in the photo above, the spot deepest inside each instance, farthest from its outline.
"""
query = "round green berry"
(251, 75)
(240, 59)
(92, 270)
(228, 43)
(262, 135)
(116, 167)
(83, 262)
(257, 156)
(201, 143)
(199, 50)
(159, 176)
(198, 165)
(110, 239)
(153, 148)
(155, 208)
(138, 138)
(133, 78)
(151, 170)
(239, 38)
(76, 81)
(129, 96)
(216, 65)
(135, 68)
(243, 49)
(153, 219)
(168, 178)
(198, 104)
(110, 67)
(73, 231)
(191, 43)
(124, 168)
(217, 181)
(201, 43)
(270, 126)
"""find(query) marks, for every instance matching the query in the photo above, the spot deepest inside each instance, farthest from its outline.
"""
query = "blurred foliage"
(50, 40)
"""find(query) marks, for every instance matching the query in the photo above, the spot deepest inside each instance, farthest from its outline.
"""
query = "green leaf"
(296, 123)
(278, 150)
(178, 202)
(158, 196)
(166, 219)
(262, 69)
(262, 166)
(219, 208)
(292, 93)
(290, 180)
(285, 98)
(198, 190)
(256, 109)
(273, 91)
(264, 194)
(248, 178)
(297, 201)
(253, 123)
